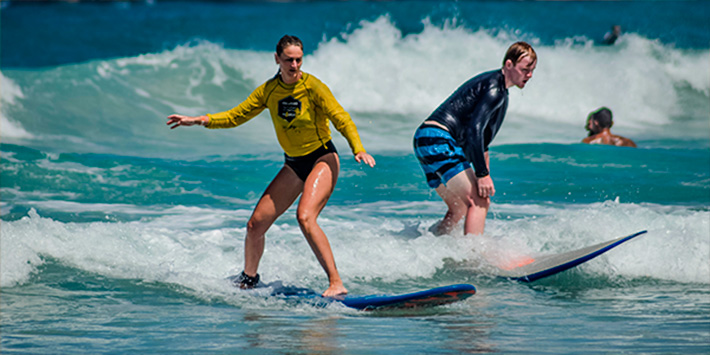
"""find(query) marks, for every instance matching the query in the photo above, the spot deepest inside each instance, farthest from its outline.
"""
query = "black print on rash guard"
(289, 108)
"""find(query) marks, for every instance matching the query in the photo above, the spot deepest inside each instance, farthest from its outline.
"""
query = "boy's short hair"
(519, 50)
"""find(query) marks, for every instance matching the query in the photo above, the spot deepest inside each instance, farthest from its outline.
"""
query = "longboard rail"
(436, 296)
(549, 265)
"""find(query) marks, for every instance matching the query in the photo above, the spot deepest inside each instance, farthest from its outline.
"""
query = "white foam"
(677, 246)
(120, 250)
(376, 69)
(196, 247)
(12, 129)
(11, 92)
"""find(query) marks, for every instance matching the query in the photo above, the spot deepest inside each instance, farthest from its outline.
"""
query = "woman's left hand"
(366, 158)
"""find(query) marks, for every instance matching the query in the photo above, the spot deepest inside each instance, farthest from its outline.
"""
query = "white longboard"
(549, 265)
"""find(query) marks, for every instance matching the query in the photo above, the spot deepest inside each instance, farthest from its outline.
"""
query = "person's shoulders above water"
(613, 139)
(624, 142)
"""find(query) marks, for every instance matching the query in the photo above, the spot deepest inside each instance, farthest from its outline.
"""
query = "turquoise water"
(117, 232)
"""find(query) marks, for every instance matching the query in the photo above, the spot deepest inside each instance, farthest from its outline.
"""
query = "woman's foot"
(335, 290)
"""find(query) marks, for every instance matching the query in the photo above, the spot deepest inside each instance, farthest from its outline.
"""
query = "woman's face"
(290, 61)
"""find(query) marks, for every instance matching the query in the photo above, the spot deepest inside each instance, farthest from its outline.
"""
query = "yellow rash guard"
(300, 113)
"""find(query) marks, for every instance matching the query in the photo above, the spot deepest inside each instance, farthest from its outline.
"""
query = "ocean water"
(117, 233)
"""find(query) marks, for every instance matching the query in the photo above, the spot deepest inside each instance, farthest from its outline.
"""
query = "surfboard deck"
(549, 265)
(427, 298)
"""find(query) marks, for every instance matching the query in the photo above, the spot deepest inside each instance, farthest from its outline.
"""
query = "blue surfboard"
(427, 298)
(549, 265)
(432, 297)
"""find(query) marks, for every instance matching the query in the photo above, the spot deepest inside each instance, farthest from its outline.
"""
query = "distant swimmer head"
(518, 64)
(603, 116)
(599, 120)
(611, 36)
(616, 29)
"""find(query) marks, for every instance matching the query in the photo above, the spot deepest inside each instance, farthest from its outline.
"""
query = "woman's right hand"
(182, 120)
(363, 157)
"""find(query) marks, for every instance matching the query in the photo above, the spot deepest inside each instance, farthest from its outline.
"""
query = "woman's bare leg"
(316, 191)
(278, 197)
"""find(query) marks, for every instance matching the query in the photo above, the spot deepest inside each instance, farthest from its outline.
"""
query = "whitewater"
(117, 233)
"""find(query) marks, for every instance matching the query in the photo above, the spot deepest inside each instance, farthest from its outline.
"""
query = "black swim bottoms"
(304, 165)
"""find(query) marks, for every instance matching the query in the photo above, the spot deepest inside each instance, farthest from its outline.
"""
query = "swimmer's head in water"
(598, 120)
(603, 117)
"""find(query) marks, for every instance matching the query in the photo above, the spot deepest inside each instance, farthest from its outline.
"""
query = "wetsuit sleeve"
(247, 110)
(340, 118)
(485, 111)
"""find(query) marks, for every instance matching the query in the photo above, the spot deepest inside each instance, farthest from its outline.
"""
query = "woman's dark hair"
(286, 41)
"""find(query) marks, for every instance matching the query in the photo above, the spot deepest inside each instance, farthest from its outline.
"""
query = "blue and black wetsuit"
(472, 115)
